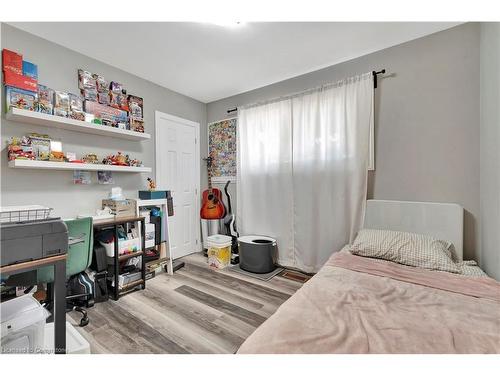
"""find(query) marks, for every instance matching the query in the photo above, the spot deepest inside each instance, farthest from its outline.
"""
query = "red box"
(12, 61)
(18, 80)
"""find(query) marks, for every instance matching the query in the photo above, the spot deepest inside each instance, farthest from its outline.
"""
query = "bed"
(357, 304)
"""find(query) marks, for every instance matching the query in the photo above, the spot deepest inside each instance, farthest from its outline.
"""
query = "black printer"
(31, 240)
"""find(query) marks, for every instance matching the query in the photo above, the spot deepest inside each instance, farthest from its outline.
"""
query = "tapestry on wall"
(222, 149)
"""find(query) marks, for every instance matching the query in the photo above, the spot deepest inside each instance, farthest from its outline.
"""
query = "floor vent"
(295, 276)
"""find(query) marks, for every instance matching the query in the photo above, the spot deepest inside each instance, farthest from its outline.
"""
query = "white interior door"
(178, 170)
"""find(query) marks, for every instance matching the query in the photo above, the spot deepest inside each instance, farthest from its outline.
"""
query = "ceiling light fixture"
(228, 23)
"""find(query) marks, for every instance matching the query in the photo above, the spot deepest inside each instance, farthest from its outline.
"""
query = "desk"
(59, 263)
(114, 223)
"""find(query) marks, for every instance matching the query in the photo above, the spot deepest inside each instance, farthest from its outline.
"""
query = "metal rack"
(17, 214)
(113, 224)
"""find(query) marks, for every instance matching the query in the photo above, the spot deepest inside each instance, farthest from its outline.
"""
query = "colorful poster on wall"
(82, 177)
(105, 178)
(222, 149)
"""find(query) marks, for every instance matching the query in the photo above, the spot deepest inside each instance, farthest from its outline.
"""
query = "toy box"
(12, 61)
(86, 80)
(155, 194)
(120, 208)
(101, 84)
(116, 87)
(135, 107)
(103, 98)
(18, 98)
(20, 149)
(136, 125)
(41, 145)
(61, 104)
(18, 80)
(111, 116)
(90, 94)
(30, 70)
(118, 101)
(45, 102)
(76, 107)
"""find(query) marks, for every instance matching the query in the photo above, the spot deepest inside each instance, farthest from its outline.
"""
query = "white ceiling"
(209, 62)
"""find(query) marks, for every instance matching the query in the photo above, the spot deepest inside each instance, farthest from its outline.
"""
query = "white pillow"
(411, 249)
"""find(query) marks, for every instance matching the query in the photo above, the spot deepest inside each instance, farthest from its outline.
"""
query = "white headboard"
(440, 220)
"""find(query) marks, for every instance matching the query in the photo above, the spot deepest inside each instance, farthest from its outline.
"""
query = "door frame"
(196, 125)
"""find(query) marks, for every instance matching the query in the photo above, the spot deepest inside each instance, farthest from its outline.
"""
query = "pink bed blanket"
(361, 305)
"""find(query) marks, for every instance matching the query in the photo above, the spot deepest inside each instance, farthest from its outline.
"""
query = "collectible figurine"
(117, 159)
(136, 163)
(151, 184)
(90, 159)
(57, 156)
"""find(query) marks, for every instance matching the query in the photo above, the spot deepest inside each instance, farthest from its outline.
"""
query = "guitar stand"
(177, 265)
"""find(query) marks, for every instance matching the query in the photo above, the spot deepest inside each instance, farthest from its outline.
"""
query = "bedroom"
(250, 154)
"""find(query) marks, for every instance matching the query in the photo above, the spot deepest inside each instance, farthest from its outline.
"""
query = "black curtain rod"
(375, 74)
(375, 77)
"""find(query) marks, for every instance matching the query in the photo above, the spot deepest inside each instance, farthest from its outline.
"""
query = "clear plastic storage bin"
(124, 247)
(23, 325)
(219, 251)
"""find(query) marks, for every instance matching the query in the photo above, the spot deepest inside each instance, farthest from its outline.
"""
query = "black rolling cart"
(118, 291)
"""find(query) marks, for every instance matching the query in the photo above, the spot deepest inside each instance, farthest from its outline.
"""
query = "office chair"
(79, 257)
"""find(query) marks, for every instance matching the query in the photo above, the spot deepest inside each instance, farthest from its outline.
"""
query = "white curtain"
(302, 169)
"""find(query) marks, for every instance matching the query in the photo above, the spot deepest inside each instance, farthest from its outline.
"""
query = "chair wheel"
(90, 303)
(84, 321)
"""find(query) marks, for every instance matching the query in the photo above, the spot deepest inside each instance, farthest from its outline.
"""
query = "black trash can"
(257, 253)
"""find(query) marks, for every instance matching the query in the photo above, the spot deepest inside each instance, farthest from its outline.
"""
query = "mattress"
(361, 305)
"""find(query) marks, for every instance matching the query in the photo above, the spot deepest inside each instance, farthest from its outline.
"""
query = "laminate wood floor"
(197, 310)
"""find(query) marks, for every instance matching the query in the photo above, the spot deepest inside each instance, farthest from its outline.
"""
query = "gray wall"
(427, 124)
(58, 69)
(427, 119)
(490, 148)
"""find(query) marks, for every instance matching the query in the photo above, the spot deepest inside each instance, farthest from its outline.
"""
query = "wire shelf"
(16, 214)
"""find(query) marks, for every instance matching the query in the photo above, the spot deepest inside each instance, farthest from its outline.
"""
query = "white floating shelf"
(43, 119)
(64, 166)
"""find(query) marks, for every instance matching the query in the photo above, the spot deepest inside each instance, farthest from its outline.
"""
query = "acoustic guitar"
(212, 206)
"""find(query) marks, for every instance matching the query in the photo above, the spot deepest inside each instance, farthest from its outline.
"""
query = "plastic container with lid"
(219, 251)
(23, 325)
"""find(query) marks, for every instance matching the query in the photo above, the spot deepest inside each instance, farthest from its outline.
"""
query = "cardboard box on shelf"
(45, 102)
(12, 62)
(18, 80)
(18, 98)
(30, 70)
(114, 115)
(120, 208)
